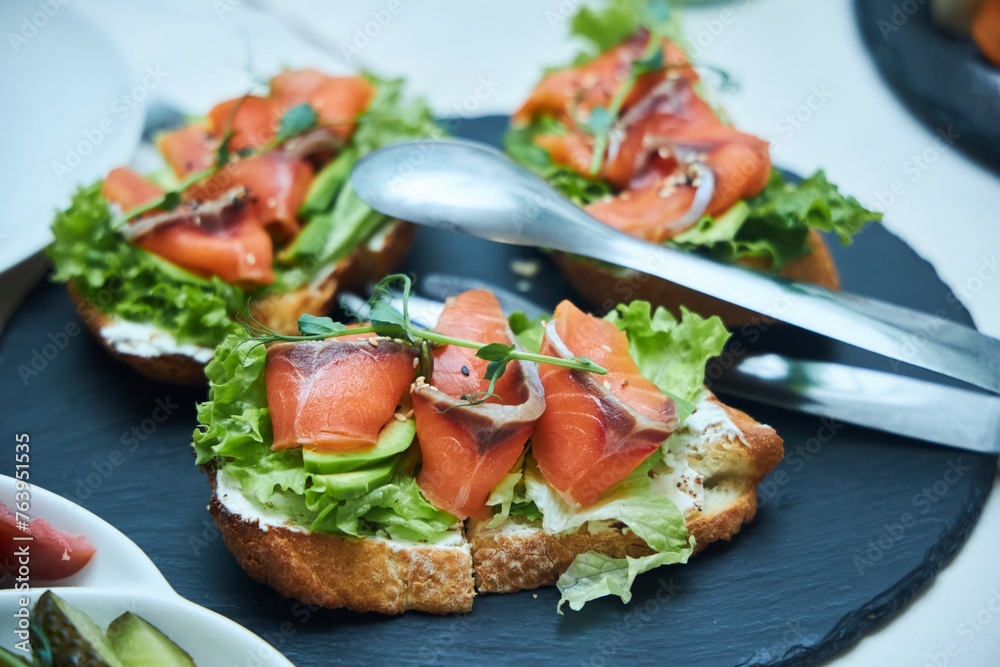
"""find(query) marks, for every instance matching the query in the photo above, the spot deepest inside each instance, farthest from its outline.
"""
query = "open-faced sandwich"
(253, 206)
(386, 467)
(628, 133)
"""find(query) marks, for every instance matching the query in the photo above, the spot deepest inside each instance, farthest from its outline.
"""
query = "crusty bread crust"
(508, 560)
(604, 287)
(357, 574)
(279, 312)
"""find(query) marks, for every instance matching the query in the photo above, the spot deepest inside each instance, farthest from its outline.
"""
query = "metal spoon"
(471, 188)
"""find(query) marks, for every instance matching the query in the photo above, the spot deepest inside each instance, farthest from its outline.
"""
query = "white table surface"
(789, 57)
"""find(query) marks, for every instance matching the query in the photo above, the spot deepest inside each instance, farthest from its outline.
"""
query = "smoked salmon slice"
(595, 429)
(239, 251)
(467, 449)
(187, 150)
(253, 121)
(335, 395)
(663, 129)
(568, 92)
(276, 183)
(337, 100)
(128, 189)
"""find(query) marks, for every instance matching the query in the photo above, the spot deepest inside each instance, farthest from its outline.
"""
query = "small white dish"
(209, 638)
(119, 563)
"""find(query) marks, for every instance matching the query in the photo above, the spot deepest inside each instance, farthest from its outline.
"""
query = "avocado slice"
(347, 485)
(72, 636)
(394, 438)
(138, 643)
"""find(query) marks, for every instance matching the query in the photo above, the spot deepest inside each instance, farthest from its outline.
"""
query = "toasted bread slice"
(604, 286)
(185, 364)
(370, 574)
(727, 454)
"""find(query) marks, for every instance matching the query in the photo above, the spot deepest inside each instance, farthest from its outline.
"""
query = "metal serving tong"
(874, 399)
(474, 189)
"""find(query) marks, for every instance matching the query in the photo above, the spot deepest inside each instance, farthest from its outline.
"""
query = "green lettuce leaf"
(774, 225)
(671, 354)
(529, 332)
(593, 575)
(509, 498)
(235, 433)
(608, 26)
(129, 283)
(653, 517)
(337, 221)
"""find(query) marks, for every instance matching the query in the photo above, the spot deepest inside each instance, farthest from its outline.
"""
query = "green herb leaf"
(310, 325)
(599, 121)
(297, 120)
(495, 352)
(649, 63)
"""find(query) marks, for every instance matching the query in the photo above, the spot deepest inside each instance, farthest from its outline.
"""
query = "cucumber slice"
(139, 643)
(73, 636)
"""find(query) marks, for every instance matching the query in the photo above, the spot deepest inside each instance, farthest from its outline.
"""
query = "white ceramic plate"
(210, 639)
(62, 74)
(118, 563)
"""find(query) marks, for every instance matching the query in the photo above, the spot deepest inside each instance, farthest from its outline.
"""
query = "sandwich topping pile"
(627, 131)
(385, 467)
(253, 202)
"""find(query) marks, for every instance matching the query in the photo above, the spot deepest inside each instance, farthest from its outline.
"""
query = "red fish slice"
(335, 395)
(276, 183)
(239, 252)
(468, 449)
(595, 429)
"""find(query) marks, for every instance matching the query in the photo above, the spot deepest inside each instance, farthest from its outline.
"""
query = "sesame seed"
(373, 341)
(416, 362)
(271, 202)
(409, 413)
(398, 417)
(397, 341)
(606, 348)
(251, 259)
(607, 385)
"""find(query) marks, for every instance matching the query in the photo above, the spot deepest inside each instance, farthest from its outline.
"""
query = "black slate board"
(943, 78)
(842, 539)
